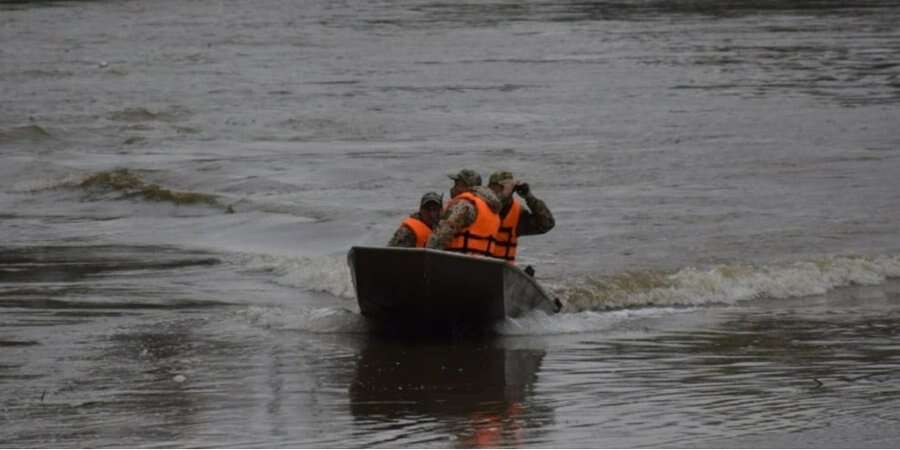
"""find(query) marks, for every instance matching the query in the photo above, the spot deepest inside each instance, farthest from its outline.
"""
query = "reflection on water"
(771, 367)
(477, 392)
(209, 376)
(141, 346)
(122, 390)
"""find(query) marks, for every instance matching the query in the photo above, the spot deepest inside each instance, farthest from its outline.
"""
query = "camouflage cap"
(499, 177)
(432, 197)
(467, 176)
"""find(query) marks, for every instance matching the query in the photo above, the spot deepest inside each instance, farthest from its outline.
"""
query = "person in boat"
(515, 219)
(415, 229)
(470, 220)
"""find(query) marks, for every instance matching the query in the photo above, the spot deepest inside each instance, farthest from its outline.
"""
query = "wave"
(20, 299)
(121, 182)
(124, 183)
(45, 183)
(139, 114)
(726, 284)
(130, 184)
(25, 134)
(622, 303)
(688, 287)
(619, 321)
(33, 176)
(313, 320)
(329, 274)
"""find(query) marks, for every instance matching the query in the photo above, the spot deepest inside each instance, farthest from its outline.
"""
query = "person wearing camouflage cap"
(415, 230)
(471, 218)
(467, 178)
(515, 219)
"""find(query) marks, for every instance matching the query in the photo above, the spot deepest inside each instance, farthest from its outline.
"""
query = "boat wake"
(619, 321)
(327, 274)
(310, 320)
(592, 303)
(726, 284)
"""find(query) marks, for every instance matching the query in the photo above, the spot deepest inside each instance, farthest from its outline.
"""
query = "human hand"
(522, 188)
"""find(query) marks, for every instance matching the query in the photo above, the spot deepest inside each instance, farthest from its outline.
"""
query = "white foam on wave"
(728, 284)
(619, 303)
(311, 320)
(27, 175)
(45, 183)
(618, 321)
(327, 273)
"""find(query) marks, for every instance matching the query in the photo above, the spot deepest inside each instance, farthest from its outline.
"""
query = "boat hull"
(424, 289)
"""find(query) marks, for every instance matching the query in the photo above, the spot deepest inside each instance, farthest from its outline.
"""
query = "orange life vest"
(506, 240)
(421, 230)
(477, 238)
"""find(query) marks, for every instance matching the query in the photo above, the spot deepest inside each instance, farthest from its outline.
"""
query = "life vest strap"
(467, 236)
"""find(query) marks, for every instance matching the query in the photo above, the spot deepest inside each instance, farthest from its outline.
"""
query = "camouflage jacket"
(404, 237)
(459, 215)
(536, 219)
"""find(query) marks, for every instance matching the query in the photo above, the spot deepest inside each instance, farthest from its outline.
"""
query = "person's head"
(464, 181)
(430, 208)
(502, 183)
